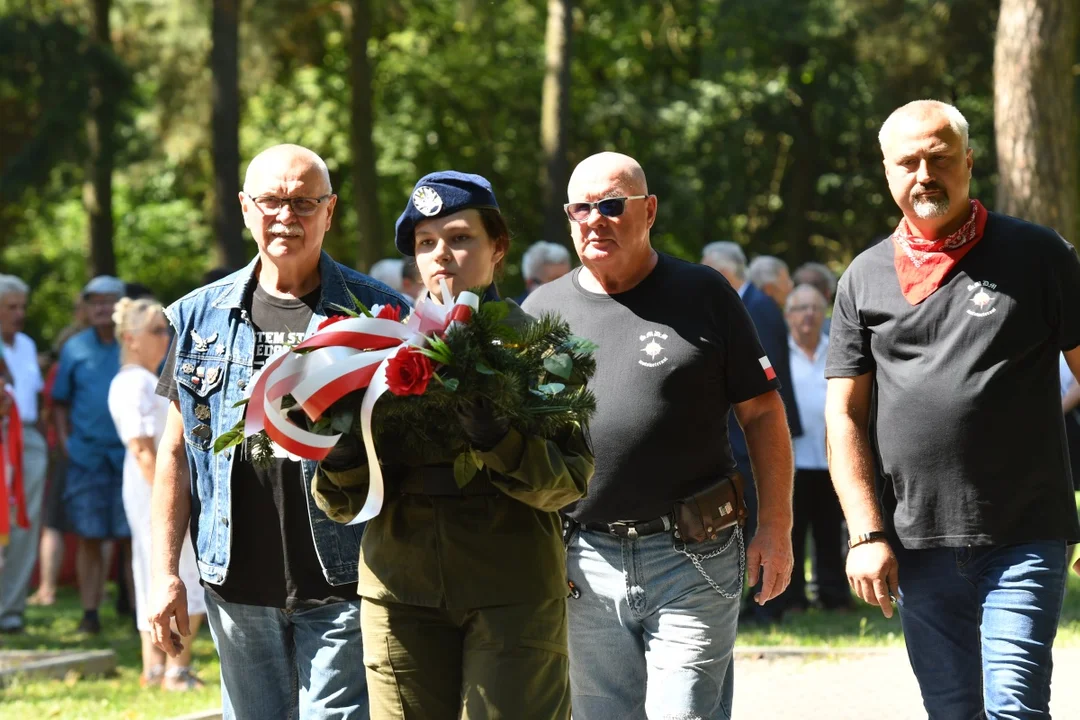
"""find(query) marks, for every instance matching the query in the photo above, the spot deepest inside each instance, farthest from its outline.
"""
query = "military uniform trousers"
(507, 662)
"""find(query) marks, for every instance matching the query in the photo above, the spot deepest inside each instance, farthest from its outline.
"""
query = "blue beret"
(441, 193)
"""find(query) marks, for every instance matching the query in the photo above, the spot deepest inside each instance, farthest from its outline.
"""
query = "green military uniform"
(464, 611)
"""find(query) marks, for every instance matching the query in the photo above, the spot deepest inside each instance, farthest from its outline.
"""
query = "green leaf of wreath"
(361, 307)
(551, 389)
(484, 369)
(232, 437)
(496, 310)
(344, 310)
(580, 345)
(559, 364)
(464, 469)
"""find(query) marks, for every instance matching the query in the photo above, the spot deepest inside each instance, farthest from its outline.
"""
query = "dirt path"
(877, 686)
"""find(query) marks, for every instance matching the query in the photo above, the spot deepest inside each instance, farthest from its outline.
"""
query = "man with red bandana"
(942, 367)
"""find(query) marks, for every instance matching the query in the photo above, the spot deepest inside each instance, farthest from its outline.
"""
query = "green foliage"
(46, 68)
(485, 360)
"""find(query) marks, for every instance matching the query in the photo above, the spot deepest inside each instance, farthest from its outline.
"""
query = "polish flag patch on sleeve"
(770, 374)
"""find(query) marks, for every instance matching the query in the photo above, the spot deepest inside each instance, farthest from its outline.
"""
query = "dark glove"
(481, 425)
(347, 454)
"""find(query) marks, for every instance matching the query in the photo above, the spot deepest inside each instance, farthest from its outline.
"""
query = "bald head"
(623, 170)
(927, 113)
(288, 162)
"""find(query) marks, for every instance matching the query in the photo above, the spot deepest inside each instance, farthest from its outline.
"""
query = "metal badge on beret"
(427, 201)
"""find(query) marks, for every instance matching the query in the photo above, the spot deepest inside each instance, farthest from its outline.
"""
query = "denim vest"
(215, 344)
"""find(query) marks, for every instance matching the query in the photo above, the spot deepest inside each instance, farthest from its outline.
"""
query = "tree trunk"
(1034, 112)
(554, 119)
(225, 122)
(101, 146)
(365, 178)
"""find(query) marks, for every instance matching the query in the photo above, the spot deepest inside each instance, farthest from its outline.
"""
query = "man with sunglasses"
(668, 371)
(279, 575)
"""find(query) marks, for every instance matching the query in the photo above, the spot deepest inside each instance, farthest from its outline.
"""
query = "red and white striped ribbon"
(335, 361)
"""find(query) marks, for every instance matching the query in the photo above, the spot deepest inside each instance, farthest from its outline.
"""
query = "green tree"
(224, 58)
(555, 116)
(364, 176)
(1035, 112)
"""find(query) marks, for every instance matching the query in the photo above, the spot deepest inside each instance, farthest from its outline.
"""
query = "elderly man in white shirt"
(20, 357)
(817, 508)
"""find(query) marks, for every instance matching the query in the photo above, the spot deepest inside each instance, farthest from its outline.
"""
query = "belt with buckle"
(632, 529)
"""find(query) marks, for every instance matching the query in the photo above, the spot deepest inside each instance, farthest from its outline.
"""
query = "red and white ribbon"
(12, 491)
(345, 356)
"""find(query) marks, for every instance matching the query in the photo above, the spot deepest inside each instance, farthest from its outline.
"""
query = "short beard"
(930, 208)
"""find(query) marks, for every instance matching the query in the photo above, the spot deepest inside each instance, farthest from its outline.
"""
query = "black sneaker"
(90, 625)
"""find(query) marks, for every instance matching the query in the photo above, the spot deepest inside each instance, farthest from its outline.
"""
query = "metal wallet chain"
(696, 559)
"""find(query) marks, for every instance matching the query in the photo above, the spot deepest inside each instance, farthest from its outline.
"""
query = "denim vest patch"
(213, 367)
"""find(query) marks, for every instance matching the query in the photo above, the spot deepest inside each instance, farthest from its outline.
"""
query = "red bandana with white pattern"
(922, 265)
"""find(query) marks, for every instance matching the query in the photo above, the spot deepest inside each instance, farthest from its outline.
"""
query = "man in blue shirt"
(93, 493)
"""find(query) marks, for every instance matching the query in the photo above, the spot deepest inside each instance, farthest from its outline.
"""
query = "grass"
(120, 698)
(100, 698)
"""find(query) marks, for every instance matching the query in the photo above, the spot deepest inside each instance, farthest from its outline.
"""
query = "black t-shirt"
(272, 561)
(674, 353)
(967, 423)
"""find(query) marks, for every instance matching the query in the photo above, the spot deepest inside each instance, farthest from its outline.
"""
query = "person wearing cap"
(93, 500)
(464, 589)
(279, 576)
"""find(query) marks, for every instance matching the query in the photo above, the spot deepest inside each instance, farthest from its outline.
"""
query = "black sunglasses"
(608, 207)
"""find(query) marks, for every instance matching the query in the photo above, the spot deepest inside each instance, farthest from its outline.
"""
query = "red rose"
(389, 312)
(409, 372)
(330, 321)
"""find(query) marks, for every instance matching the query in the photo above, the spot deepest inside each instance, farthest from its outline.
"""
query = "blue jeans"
(306, 664)
(979, 623)
(650, 635)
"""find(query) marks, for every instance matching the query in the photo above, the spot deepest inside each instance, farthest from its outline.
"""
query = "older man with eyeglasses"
(280, 576)
(655, 552)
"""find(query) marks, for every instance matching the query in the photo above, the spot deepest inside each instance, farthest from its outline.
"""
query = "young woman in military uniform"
(464, 612)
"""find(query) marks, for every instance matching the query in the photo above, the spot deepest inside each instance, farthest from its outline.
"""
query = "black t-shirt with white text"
(272, 560)
(675, 352)
(967, 425)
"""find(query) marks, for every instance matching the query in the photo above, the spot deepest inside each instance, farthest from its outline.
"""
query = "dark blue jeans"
(979, 623)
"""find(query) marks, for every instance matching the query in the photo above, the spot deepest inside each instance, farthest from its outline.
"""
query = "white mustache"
(286, 230)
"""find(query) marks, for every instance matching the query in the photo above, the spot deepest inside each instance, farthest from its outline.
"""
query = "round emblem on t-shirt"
(981, 299)
(653, 349)
(427, 201)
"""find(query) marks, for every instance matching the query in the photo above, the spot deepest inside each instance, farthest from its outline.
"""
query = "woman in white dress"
(139, 413)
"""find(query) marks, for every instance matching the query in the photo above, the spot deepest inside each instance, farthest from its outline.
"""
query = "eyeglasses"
(608, 207)
(795, 309)
(302, 206)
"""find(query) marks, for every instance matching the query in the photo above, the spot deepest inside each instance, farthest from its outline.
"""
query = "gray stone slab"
(38, 665)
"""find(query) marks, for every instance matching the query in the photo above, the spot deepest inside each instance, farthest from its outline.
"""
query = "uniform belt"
(439, 482)
(633, 529)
